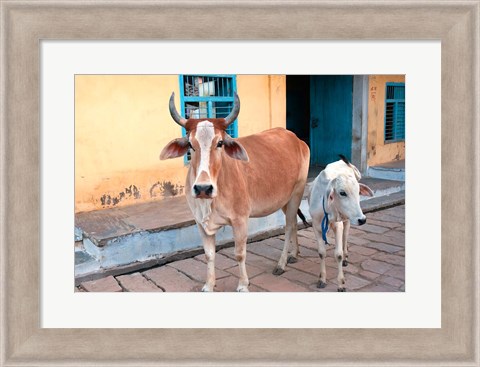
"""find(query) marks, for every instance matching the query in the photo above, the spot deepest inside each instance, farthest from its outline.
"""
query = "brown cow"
(230, 180)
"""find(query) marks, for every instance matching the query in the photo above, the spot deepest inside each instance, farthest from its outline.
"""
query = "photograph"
(239, 183)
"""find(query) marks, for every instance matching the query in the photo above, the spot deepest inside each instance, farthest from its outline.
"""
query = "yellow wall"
(379, 152)
(263, 103)
(122, 123)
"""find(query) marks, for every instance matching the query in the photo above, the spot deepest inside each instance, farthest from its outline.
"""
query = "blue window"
(207, 96)
(395, 112)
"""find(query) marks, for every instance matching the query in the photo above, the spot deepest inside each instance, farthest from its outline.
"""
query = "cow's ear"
(365, 190)
(176, 148)
(235, 150)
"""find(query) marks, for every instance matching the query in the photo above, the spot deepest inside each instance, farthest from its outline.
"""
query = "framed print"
(27, 25)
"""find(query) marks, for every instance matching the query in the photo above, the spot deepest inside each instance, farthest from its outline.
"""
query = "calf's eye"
(219, 144)
(343, 193)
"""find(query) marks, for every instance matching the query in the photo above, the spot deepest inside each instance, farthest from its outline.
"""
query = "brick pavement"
(376, 257)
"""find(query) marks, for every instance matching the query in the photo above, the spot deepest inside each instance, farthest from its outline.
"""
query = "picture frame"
(25, 24)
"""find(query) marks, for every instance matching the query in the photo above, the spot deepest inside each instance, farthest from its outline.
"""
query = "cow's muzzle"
(203, 191)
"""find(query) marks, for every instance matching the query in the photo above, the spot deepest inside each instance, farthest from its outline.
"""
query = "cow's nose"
(206, 189)
(362, 221)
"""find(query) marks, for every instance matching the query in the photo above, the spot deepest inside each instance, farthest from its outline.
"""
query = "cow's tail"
(302, 217)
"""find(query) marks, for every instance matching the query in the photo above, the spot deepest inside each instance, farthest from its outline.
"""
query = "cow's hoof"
(345, 263)
(291, 259)
(321, 284)
(278, 271)
(242, 288)
(341, 289)
(207, 288)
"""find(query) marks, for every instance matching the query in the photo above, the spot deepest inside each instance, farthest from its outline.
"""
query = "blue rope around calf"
(324, 223)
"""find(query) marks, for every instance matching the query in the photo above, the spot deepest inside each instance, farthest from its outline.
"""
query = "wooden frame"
(26, 23)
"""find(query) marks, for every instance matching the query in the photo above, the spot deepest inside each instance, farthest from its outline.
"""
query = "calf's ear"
(330, 195)
(235, 150)
(365, 190)
(330, 191)
(176, 148)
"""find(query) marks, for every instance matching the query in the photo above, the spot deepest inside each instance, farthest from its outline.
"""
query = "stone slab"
(136, 282)
(171, 280)
(108, 284)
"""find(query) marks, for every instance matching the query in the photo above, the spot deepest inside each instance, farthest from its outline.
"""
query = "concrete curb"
(383, 202)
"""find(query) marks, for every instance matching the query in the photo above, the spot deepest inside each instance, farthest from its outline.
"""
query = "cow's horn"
(235, 110)
(173, 111)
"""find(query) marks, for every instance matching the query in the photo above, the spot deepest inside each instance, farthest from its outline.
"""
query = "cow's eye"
(190, 146)
(219, 144)
(343, 193)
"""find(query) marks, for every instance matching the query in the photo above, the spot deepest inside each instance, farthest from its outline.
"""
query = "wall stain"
(129, 192)
(165, 189)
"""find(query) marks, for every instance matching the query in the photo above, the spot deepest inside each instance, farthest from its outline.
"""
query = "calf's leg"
(322, 251)
(346, 231)
(339, 255)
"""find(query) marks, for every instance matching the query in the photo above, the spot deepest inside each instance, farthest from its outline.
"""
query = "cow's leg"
(346, 231)
(290, 233)
(322, 251)
(339, 255)
(284, 257)
(292, 246)
(294, 249)
(240, 233)
(209, 248)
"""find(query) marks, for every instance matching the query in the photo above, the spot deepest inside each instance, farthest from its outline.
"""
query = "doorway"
(319, 112)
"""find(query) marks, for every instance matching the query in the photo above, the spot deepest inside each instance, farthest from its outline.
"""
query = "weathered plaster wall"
(377, 151)
(122, 123)
(263, 103)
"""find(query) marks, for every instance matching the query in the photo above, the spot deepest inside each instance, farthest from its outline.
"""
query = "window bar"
(209, 106)
(402, 126)
(395, 122)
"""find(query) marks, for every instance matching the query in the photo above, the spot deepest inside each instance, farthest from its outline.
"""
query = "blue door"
(330, 118)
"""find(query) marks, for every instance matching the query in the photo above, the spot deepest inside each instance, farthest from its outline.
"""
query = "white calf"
(335, 202)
